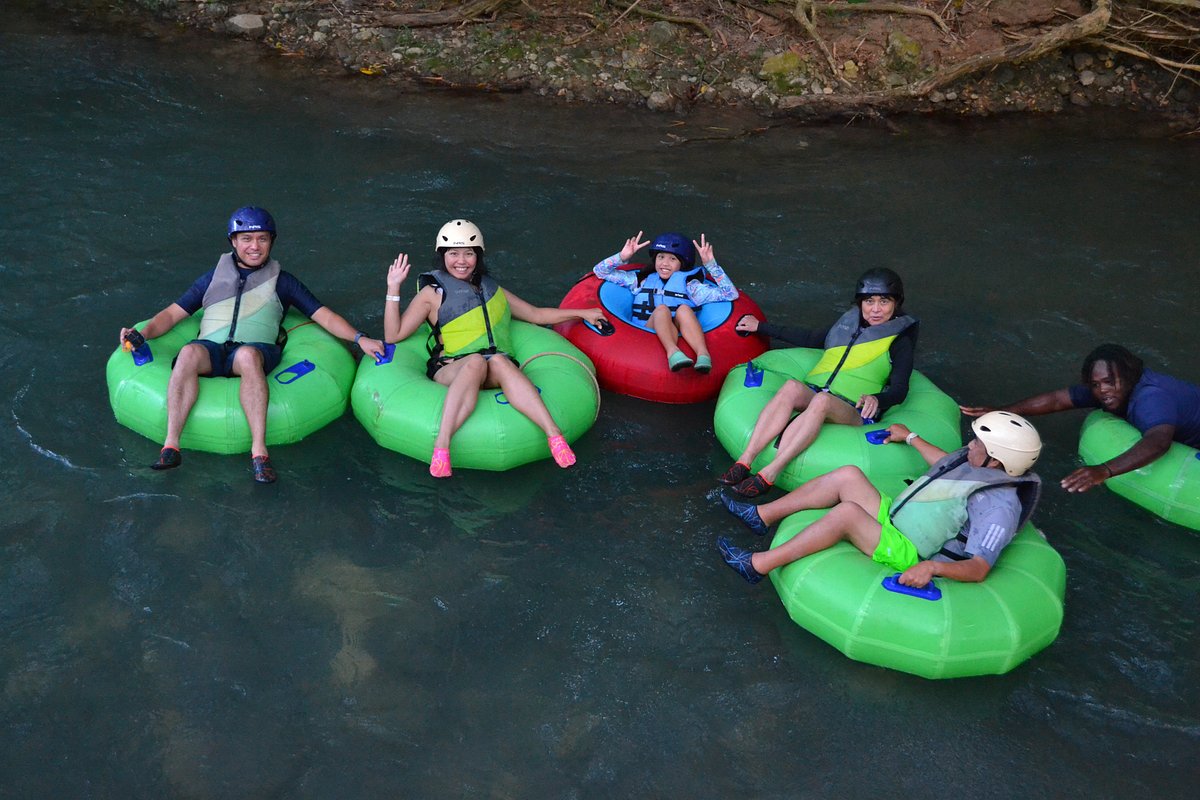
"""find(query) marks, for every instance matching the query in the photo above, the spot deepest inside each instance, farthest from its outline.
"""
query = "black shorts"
(220, 354)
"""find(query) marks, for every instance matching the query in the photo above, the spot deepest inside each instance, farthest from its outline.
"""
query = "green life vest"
(933, 509)
(238, 309)
(470, 319)
(856, 360)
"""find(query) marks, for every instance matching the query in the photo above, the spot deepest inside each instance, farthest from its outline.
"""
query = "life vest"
(242, 309)
(470, 319)
(856, 360)
(652, 292)
(933, 510)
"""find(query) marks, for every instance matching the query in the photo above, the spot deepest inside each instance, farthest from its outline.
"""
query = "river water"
(360, 631)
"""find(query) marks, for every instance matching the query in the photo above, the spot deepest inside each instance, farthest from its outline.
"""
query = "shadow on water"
(361, 630)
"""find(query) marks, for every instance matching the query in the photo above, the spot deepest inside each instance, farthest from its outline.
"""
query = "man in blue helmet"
(244, 299)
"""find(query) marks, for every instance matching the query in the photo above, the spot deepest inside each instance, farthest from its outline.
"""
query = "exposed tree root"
(805, 13)
(866, 7)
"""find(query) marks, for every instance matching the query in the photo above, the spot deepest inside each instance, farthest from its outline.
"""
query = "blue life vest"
(652, 292)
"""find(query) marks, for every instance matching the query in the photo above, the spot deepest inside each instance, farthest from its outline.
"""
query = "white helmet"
(459, 233)
(1009, 439)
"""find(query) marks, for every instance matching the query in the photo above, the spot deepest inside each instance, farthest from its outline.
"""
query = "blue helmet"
(677, 245)
(250, 218)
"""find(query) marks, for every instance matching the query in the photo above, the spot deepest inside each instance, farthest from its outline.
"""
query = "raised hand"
(632, 245)
(397, 272)
(704, 250)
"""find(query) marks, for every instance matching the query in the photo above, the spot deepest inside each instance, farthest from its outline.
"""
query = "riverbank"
(855, 62)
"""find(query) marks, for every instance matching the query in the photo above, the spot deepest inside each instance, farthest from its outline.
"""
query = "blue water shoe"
(739, 560)
(746, 512)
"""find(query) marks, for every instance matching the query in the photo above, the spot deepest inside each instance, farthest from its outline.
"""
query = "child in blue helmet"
(666, 292)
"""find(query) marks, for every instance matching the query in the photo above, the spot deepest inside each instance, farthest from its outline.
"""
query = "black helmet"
(880, 280)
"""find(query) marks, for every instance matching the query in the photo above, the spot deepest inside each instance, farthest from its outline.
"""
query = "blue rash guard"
(1156, 399)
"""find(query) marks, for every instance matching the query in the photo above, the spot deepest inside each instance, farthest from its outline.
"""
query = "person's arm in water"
(1153, 444)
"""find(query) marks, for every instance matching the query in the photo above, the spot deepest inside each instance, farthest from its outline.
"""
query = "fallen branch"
(697, 24)
(869, 8)
(1178, 67)
(892, 8)
(432, 19)
(1088, 25)
(1079, 29)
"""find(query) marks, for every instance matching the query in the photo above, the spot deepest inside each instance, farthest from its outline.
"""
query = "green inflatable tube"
(1169, 486)
(402, 409)
(308, 390)
(927, 410)
(972, 629)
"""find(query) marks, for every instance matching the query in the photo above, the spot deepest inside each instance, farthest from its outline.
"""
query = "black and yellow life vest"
(856, 359)
(470, 319)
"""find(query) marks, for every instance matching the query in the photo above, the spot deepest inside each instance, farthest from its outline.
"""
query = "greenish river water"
(360, 631)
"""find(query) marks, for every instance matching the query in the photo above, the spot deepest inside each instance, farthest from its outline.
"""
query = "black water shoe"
(263, 471)
(169, 458)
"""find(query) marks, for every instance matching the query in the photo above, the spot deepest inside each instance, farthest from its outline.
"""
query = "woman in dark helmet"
(864, 371)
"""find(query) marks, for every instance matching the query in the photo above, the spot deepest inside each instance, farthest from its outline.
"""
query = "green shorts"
(894, 550)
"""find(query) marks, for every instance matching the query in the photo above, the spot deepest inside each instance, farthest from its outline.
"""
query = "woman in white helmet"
(470, 346)
(952, 522)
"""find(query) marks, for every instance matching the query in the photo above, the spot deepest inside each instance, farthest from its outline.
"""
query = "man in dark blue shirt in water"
(244, 299)
(1163, 408)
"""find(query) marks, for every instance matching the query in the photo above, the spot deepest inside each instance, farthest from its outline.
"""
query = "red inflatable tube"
(629, 358)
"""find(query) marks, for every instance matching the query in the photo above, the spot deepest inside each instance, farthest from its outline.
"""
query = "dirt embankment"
(799, 58)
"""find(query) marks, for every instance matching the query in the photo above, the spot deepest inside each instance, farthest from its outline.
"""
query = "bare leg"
(775, 416)
(254, 395)
(463, 378)
(521, 393)
(801, 431)
(182, 389)
(843, 485)
(664, 328)
(689, 327)
(847, 521)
